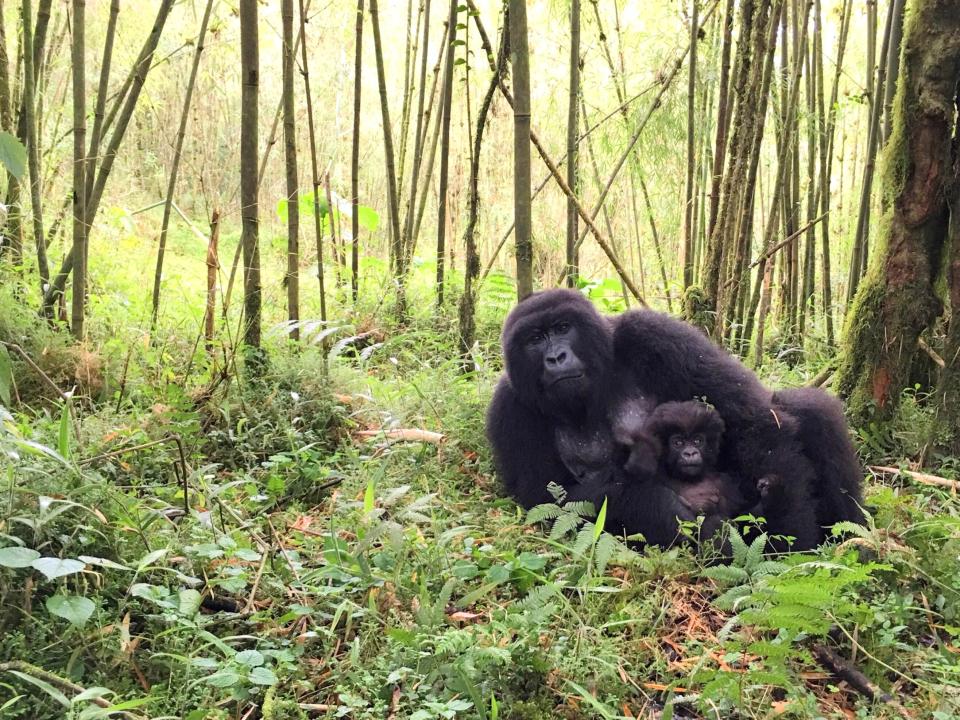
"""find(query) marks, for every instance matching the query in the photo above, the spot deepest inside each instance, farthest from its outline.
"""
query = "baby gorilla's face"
(685, 455)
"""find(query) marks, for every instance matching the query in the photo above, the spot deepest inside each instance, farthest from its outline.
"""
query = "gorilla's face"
(553, 348)
(685, 455)
(557, 349)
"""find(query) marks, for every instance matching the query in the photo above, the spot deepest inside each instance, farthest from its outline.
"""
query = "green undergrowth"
(345, 552)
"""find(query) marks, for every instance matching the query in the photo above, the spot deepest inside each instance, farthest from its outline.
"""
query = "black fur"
(538, 432)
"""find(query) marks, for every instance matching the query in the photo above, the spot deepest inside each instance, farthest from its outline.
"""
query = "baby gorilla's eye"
(536, 337)
(561, 327)
(698, 440)
(677, 441)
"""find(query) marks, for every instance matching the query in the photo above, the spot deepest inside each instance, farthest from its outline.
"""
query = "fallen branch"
(922, 478)
(404, 435)
(845, 670)
(821, 378)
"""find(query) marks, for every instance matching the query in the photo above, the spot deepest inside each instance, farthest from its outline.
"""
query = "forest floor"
(346, 552)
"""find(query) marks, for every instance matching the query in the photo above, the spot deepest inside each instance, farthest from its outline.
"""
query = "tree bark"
(135, 81)
(572, 138)
(860, 254)
(445, 109)
(520, 63)
(213, 264)
(78, 67)
(897, 300)
(249, 141)
(355, 156)
(33, 153)
(396, 240)
(314, 169)
(467, 315)
(292, 277)
(688, 229)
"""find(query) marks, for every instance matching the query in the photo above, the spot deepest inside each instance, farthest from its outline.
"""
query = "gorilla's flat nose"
(690, 454)
(556, 360)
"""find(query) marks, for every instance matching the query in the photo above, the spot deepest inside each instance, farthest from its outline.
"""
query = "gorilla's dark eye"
(536, 337)
(698, 440)
(561, 327)
(676, 441)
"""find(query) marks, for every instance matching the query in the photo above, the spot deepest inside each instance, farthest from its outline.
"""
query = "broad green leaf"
(150, 558)
(263, 676)
(189, 602)
(13, 155)
(102, 562)
(224, 679)
(35, 448)
(6, 376)
(92, 693)
(17, 557)
(53, 567)
(250, 658)
(368, 217)
(73, 608)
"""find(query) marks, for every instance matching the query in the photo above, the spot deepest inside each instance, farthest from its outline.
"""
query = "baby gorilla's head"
(688, 435)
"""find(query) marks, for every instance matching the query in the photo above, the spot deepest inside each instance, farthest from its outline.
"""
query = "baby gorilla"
(686, 438)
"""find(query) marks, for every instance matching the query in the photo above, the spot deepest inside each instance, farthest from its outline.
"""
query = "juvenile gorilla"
(688, 436)
(577, 384)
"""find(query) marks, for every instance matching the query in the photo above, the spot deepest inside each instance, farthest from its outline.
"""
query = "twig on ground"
(845, 670)
(922, 478)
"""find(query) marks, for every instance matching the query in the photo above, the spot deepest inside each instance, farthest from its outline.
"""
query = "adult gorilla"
(578, 387)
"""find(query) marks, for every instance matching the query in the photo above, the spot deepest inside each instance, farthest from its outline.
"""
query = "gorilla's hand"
(644, 458)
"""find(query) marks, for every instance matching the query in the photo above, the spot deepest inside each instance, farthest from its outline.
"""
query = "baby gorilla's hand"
(703, 498)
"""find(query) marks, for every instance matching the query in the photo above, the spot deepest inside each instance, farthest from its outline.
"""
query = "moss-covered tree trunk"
(897, 300)
(946, 434)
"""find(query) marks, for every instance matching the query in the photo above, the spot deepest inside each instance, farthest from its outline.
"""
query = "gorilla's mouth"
(562, 378)
(689, 468)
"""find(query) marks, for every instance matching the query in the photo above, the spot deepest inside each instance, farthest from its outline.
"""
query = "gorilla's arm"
(524, 448)
(789, 511)
(682, 363)
(648, 508)
(826, 443)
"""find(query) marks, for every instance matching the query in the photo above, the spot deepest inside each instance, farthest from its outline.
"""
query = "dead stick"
(18, 666)
(922, 478)
(847, 671)
(790, 238)
(63, 396)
